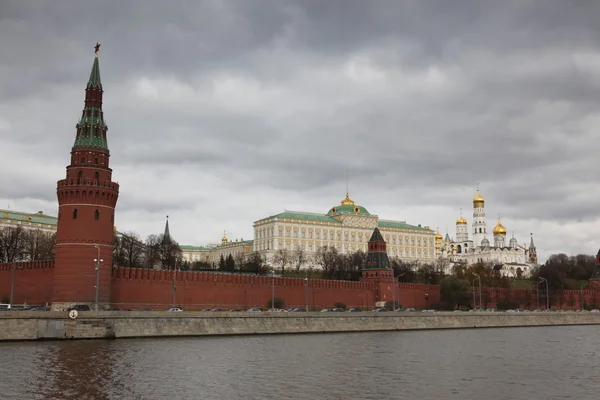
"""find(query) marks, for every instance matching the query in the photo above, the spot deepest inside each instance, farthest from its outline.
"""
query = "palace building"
(347, 228)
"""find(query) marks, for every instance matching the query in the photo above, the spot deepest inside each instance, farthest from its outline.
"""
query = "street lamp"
(272, 289)
(582, 295)
(393, 291)
(474, 299)
(97, 261)
(12, 283)
(306, 289)
(547, 294)
(480, 302)
(537, 288)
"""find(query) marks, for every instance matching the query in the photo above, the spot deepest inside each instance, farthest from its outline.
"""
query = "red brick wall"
(33, 282)
(135, 288)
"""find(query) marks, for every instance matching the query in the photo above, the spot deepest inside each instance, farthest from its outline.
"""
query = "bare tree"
(133, 249)
(326, 258)
(39, 245)
(281, 258)
(13, 243)
(240, 261)
(152, 250)
(169, 253)
(299, 257)
(118, 257)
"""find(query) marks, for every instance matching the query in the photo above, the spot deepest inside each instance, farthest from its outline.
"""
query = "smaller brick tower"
(86, 208)
(532, 252)
(377, 268)
(595, 278)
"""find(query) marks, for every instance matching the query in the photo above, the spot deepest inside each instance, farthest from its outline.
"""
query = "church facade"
(512, 258)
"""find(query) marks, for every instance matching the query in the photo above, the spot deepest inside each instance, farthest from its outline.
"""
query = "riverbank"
(44, 325)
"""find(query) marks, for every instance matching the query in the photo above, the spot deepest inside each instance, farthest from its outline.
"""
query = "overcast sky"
(221, 113)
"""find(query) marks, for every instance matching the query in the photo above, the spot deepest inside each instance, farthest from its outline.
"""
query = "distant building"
(347, 228)
(510, 256)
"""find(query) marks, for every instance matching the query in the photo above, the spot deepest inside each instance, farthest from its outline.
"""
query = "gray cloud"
(221, 113)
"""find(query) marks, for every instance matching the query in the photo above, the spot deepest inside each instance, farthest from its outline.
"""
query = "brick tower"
(86, 208)
(377, 269)
(595, 278)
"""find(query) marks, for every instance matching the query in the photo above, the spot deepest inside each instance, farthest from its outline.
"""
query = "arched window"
(97, 176)
(83, 160)
(74, 213)
(97, 215)
(96, 161)
(79, 176)
(479, 230)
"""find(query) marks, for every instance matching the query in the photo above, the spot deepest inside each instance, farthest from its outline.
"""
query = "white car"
(175, 309)
(4, 307)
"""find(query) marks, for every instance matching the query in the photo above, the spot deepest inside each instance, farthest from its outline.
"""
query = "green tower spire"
(91, 128)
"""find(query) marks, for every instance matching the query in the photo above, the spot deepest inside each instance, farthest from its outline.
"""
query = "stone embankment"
(40, 325)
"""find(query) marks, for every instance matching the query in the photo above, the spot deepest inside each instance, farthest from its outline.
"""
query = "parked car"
(79, 307)
(4, 307)
(354, 309)
(337, 310)
(380, 309)
(299, 310)
(144, 309)
(217, 310)
(234, 310)
(175, 309)
(39, 308)
(255, 309)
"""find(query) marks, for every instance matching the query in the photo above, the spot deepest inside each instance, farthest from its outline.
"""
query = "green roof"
(400, 225)
(303, 216)
(348, 209)
(95, 74)
(190, 247)
(33, 218)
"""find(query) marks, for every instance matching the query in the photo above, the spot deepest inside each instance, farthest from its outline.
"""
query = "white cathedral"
(513, 260)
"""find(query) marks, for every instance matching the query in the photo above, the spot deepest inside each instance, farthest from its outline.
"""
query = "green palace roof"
(383, 223)
(304, 216)
(36, 218)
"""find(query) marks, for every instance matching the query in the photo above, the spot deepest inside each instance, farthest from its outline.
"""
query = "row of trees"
(129, 250)
(19, 244)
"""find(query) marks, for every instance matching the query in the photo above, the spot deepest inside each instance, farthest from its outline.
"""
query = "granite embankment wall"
(26, 325)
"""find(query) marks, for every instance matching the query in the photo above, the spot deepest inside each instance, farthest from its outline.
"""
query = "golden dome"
(499, 229)
(347, 201)
(224, 238)
(461, 221)
(438, 236)
(478, 200)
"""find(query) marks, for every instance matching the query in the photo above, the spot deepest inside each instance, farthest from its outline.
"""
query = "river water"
(511, 363)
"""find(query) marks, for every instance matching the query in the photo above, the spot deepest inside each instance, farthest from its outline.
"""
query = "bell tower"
(87, 197)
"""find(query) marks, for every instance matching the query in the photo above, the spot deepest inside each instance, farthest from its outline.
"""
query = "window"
(74, 213)
(79, 177)
(95, 161)
(97, 215)
(97, 176)
(83, 160)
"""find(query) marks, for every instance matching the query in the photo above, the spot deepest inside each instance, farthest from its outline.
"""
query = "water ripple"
(515, 363)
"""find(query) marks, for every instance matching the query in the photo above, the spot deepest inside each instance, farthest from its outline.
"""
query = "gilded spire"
(461, 220)
(478, 200)
(499, 229)
(347, 201)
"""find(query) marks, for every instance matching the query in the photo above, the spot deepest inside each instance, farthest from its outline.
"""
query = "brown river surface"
(512, 363)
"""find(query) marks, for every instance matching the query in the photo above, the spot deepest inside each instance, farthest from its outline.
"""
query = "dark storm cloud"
(221, 105)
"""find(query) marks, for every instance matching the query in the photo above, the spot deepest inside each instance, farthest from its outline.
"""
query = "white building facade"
(479, 249)
(347, 228)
